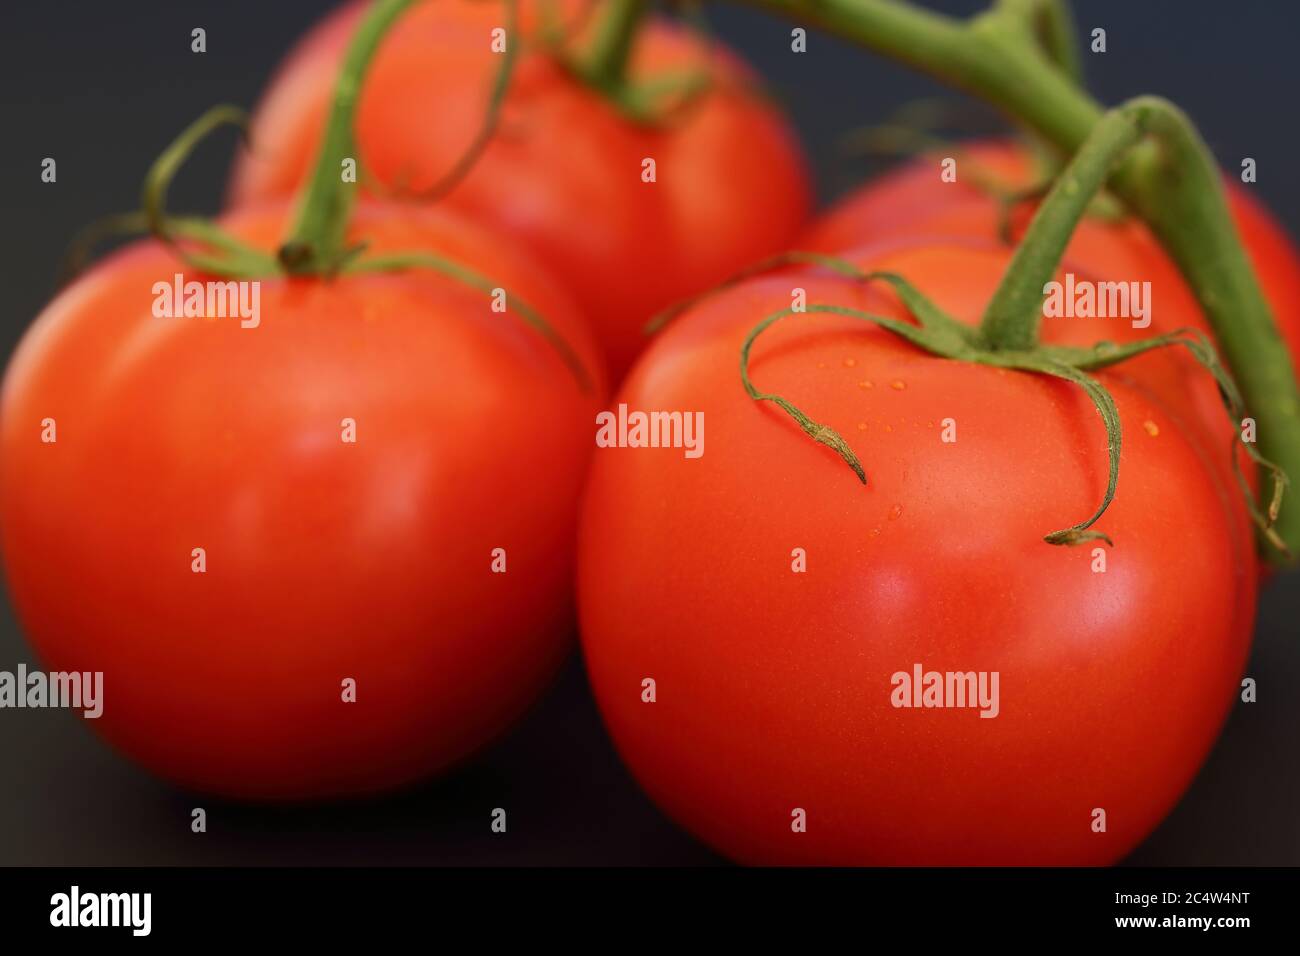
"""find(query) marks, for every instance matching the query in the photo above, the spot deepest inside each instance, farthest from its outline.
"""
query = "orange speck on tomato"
(1152, 428)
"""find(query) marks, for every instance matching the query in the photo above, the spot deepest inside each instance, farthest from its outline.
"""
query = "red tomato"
(325, 560)
(913, 201)
(773, 688)
(564, 171)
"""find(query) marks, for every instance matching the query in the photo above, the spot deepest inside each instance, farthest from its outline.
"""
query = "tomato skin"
(564, 172)
(325, 560)
(773, 688)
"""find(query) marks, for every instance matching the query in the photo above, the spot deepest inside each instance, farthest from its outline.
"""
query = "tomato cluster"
(335, 550)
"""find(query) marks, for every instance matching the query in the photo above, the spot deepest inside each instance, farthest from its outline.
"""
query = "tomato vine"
(1174, 185)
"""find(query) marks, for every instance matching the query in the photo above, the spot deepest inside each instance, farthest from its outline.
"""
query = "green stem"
(1012, 316)
(316, 242)
(983, 56)
(606, 62)
(404, 261)
(225, 255)
(1049, 23)
(1177, 190)
(465, 164)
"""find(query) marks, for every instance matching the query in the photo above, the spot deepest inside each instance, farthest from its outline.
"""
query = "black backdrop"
(103, 86)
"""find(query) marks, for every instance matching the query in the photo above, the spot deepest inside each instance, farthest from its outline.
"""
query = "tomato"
(913, 201)
(564, 172)
(324, 560)
(773, 688)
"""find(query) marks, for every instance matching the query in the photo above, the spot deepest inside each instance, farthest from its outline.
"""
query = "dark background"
(104, 86)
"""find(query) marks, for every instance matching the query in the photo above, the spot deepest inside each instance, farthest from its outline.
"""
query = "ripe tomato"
(564, 171)
(773, 688)
(326, 560)
(913, 201)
